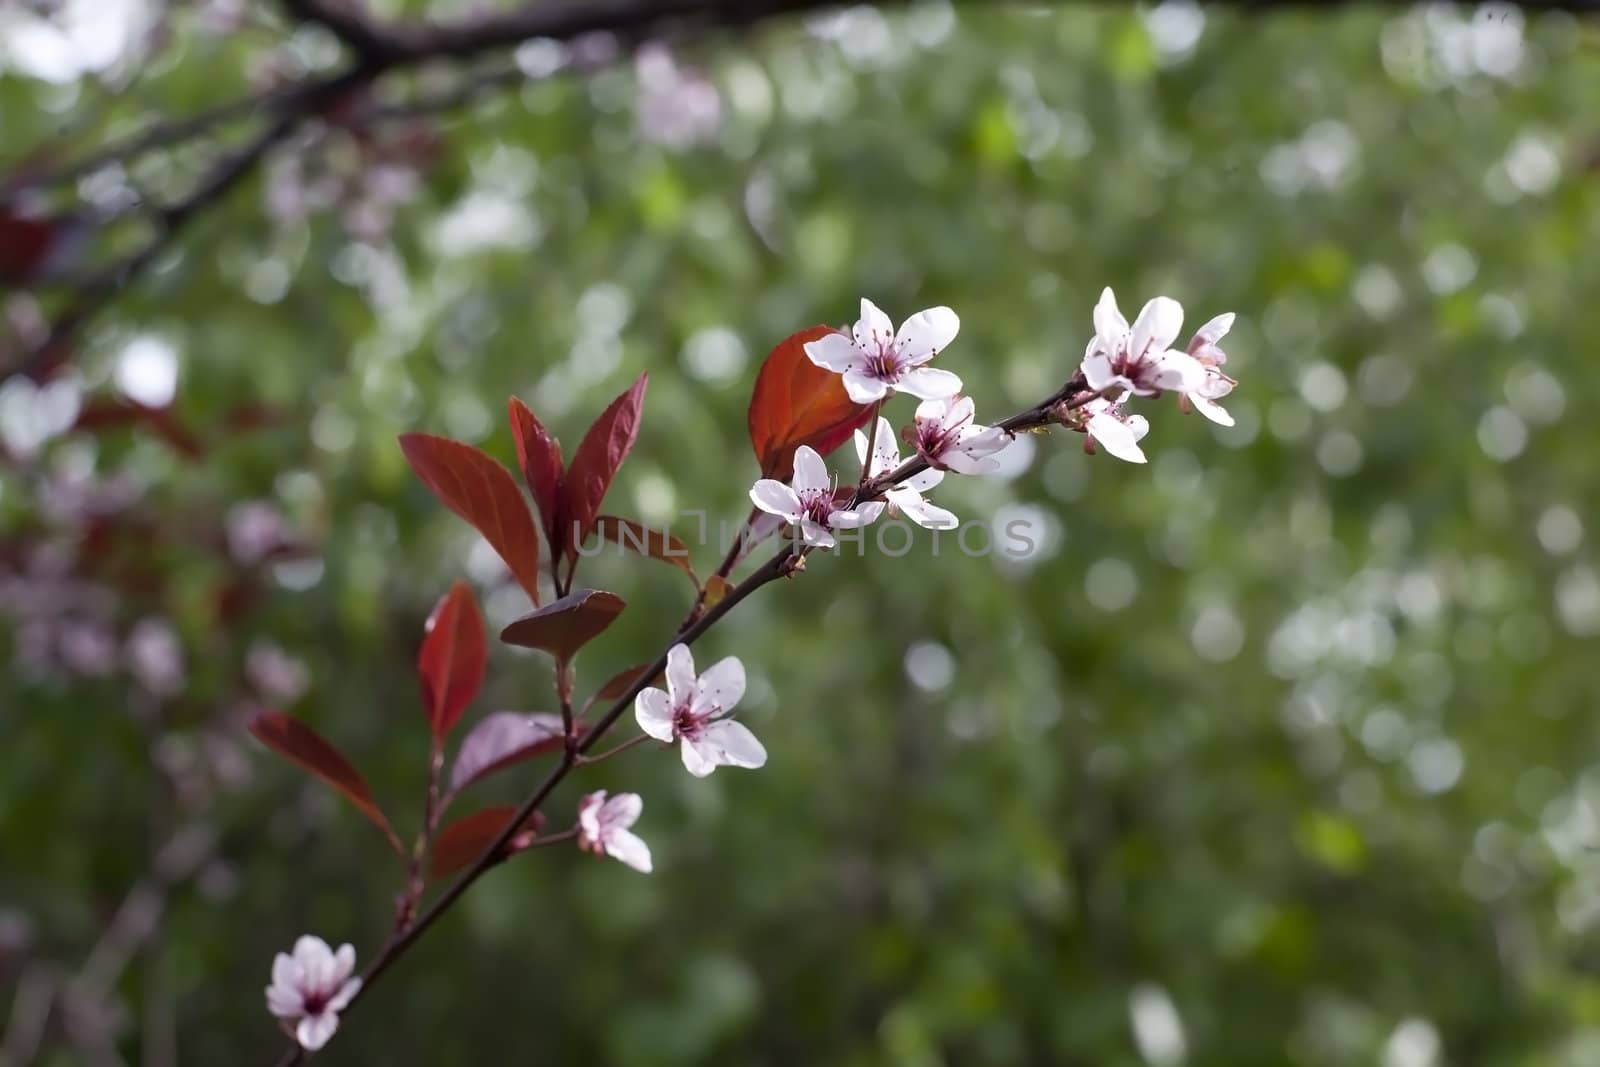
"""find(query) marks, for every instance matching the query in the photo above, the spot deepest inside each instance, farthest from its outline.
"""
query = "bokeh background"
(1280, 750)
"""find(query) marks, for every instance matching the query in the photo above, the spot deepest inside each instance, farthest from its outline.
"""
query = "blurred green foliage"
(1280, 750)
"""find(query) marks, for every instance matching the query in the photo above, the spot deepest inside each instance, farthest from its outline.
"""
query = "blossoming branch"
(817, 390)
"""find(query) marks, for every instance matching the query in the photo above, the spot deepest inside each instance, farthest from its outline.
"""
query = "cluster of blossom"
(875, 361)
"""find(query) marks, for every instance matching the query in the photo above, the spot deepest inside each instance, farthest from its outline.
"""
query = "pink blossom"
(311, 987)
(603, 828)
(875, 361)
(695, 711)
(808, 502)
(1137, 359)
(945, 435)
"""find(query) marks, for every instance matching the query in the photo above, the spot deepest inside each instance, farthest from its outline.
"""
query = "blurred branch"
(106, 283)
(163, 134)
(82, 998)
(30, 1014)
(379, 47)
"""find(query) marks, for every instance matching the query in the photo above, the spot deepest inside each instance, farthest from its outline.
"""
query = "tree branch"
(380, 47)
(782, 564)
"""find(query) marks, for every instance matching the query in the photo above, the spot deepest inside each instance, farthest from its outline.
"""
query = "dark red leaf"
(563, 627)
(595, 462)
(303, 746)
(455, 651)
(539, 456)
(476, 487)
(637, 537)
(621, 682)
(798, 403)
(502, 739)
(460, 843)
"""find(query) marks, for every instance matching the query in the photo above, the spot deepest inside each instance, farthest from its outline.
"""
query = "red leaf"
(480, 490)
(303, 746)
(460, 843)
(454, 652)
(539, 456)
(502, 739)
(620, 682)
(599, 455)
(638, 537)
(798, 403)
(563, 627)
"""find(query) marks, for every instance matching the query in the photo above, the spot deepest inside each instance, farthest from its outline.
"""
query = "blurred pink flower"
(603, 828)
(311, 987)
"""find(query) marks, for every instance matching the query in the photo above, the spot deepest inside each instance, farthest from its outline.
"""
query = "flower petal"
(1115, 437)
(1176, 371)
(621, 812)
(926, 334)
(286, 971)
(810, 473)
(1214, 330)
(922, 481)
(653, 710)
(1109, 325)
(873, 330)
(347, 992)
(589, 815)
(1156, 327)
(629, 848)
(720, 687)
(862, 388)
(835, 352)
(775, 498)
(316, 962)
(680, 675)
(868, 513)
(849, 519)
(964, 463)
(924, 513)
(315, 1031)
(699, 758)
(285, 1002)
(885, 454)
(344, 963)
(1211, 409)
(1098, 371)
(928, 383)
(815, 535)
(738, 746)
(937, 412)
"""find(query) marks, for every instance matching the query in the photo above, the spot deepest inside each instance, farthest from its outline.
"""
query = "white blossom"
(809, 502)
(1137, 359)
(905, 497)
(875, 361)
(603, 828)
(311, 987)
(695, 711)
(1213, 385)
(945, 435)
(1109, 427)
